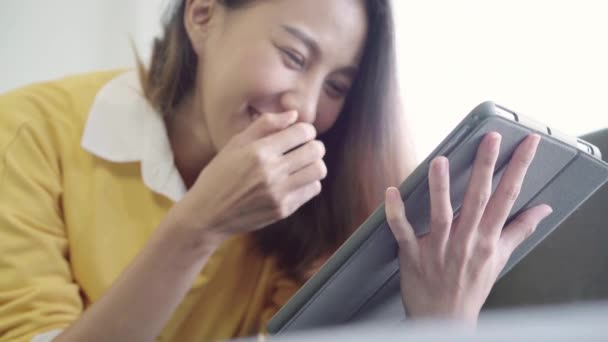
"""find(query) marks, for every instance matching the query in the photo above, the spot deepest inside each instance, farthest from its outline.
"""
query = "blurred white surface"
(558, 323)
(544, 58)
(43, 40)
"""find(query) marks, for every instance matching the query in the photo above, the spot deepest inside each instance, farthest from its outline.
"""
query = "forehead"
(339, 26)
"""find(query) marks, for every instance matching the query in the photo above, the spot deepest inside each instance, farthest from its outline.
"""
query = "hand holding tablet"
(449, 271)
(469, 224)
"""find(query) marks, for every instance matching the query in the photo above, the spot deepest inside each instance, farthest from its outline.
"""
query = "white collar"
(122, 127)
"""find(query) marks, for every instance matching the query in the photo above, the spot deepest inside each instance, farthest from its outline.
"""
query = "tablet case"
(360, 282)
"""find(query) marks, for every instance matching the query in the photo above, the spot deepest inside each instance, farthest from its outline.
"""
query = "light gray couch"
(571, 264)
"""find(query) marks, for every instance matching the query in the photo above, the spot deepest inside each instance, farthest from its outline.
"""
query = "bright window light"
(545, 59)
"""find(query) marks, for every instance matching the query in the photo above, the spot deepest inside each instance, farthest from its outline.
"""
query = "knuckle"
(402, 241)
(274, 197)
(521, 220)
(529, 230)
(320, 169)
(481, 199)
(319, 148)
(325, 171)
(441, 220)
(305, 131)
(400, 235)
(393, 219)
(260, 168)
(440, 187)
(262, 156)
(282, 210)
(485, 248)
(257, 159)
(487, 160)
(524, 159)
(258, 152)
(280, 206)
(512, 192)
(317, 187)
(267, 180)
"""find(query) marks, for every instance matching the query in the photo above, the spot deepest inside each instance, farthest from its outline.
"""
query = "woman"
(191, 203)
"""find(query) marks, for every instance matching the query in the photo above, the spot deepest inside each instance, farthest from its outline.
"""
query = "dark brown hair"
(368, 147)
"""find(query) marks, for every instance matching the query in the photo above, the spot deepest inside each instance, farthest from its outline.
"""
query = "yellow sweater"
(70, 222)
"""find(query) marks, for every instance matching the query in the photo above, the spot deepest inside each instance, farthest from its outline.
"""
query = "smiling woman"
(261, 134)
(189, 202)
(306, 62)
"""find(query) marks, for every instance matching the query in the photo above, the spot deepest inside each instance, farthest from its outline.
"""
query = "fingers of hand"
(305, 183)
(506, 193)
(299, 197)
(291, 137)
(267, 124)
(522, 227)
(285, 198)
(289, 192)
(479, 188)
(397, 221)
(289, 180)
(311, 152)
(315, 171)
(441, 206)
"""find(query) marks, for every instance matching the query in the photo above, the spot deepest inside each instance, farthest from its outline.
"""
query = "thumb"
(267, 124)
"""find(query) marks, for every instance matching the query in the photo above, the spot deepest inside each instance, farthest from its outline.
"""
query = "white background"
(547, 59)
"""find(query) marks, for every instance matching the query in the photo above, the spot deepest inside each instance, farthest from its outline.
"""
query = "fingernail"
(393, 193)
(441, 165)
(498, 140)
(495, 136)
(548, 210)
(535, 139)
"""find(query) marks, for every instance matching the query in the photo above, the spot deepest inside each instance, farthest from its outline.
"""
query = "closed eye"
(295, 59)
(336, 90)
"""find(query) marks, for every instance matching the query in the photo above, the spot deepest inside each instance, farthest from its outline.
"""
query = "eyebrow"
(312, 45)
(304, 37)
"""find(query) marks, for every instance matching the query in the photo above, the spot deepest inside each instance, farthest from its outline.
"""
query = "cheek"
(263, 74)
(235, 79)
(329, 111)
(238, 81)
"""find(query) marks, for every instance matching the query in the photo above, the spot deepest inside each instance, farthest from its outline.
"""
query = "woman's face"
(274, 56)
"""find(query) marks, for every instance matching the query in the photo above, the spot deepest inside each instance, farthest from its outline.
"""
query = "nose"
(305, 100)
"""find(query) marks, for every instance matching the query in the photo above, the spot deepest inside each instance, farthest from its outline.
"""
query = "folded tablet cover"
(361, 280)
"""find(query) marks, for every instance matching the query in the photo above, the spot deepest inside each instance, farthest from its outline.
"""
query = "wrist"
(192, 237)
(467, 317)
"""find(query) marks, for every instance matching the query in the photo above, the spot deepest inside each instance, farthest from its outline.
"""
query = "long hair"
(368, 148)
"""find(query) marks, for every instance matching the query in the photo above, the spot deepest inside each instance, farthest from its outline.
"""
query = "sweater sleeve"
(37, 292)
